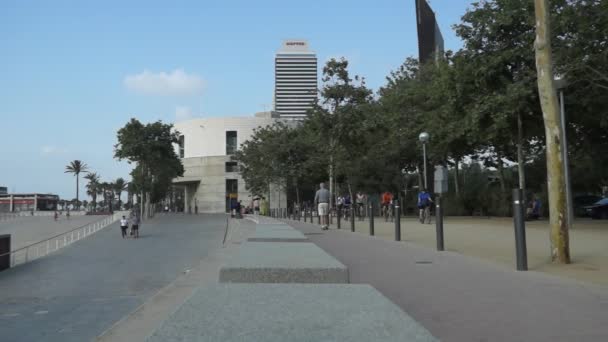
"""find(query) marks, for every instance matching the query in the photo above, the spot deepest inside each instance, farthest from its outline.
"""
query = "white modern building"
(211, 179)
(295, 89)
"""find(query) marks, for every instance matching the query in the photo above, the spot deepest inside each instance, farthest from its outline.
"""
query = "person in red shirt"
(387, 198)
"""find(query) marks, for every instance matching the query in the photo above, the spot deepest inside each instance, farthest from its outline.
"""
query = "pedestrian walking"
(124, 225)
(322, 203)
(256, 206)
(135, 222)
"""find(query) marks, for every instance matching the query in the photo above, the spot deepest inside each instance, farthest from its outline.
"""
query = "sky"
(73, 72)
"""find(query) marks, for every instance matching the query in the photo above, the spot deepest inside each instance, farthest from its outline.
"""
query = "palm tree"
(120, 185)
(93, 187)
(76, 167)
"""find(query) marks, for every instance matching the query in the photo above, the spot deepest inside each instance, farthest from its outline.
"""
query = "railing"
(43, 248)
(6, 217)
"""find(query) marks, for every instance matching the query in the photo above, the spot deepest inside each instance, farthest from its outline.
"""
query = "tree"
(560, 250)
(93, 187)
(151, 147)
(336, 120)
(120, 185)
(76, 167)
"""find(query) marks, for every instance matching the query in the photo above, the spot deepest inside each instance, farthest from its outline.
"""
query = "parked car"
(582, 201)
(599, 210)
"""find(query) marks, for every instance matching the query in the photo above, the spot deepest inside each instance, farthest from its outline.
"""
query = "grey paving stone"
(283, 262)
(289, 312)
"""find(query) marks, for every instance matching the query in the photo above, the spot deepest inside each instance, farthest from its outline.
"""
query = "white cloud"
(50, 149)
(176, 82)
(183, 113)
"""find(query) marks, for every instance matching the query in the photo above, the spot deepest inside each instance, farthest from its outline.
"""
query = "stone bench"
(277, 233)
(283, 262)
(289, 312)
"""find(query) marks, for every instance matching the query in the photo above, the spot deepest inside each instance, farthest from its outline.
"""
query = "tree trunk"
(560, 250)
(77, 189)
(456, 177)
(297, 193)
(332, 190)
(503, 189)
(520, 156)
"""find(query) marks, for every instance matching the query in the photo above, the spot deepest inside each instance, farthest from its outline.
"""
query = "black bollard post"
(439, 222)
(338, 218)
(299, 213)
(397, 221)
(352, 218)
(371, 219)
(520, 230)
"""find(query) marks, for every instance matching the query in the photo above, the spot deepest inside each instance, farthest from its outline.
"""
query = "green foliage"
(76, 167)
(469, 101)
(151, 147)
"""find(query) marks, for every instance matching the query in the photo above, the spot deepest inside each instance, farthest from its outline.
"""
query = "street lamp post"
(424, 138)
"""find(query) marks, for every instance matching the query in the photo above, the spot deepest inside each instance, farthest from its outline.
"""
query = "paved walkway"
(460, 298)
(31, 229)
(83, 289)
(493, 239)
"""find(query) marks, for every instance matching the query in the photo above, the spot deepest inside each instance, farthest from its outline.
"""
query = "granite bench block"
(290, 312)
(283, 262)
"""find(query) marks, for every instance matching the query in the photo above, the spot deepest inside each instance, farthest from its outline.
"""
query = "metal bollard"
(520, 230)
(352, 218)
(397, 221)
(371, 219)
(439, 223)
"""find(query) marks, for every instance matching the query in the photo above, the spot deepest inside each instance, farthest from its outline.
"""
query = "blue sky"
(73, 72)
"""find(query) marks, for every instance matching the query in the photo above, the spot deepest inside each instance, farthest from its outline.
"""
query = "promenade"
(462, 298)
(493, 239)
(27, 230)
(82, 290)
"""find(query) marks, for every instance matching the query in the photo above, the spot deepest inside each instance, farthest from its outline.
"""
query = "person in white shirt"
(124, 225)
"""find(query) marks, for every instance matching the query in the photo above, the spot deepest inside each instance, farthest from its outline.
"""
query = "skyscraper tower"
(430, 40)
(295, 80)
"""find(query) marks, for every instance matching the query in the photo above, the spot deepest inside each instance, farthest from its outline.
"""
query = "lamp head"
(424, 137)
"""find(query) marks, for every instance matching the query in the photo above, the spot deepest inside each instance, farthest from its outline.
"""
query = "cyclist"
(340, 205)
(424, 206)
(360, 205)
(347, 206)
(387, 201)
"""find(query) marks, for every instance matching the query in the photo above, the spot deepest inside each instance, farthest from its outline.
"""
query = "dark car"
(599, 210)
(581, 202)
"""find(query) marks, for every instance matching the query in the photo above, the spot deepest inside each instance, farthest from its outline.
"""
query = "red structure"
(28, 202)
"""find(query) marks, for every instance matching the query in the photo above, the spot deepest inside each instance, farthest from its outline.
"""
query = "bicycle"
(425, 214)
(346, 212)
(388, 212)
(360, 211)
